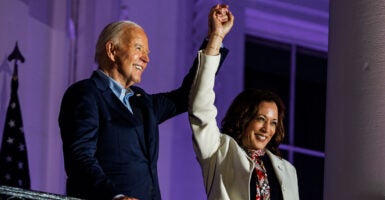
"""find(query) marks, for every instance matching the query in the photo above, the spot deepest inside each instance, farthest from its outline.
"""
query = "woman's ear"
(110, 50)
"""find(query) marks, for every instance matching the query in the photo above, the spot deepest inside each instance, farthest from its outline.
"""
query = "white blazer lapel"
(278, 168)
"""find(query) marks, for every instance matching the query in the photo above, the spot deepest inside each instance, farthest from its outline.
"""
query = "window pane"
(310, 99)
(310, 172)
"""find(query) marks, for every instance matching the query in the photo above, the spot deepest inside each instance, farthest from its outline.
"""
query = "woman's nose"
(266, 126)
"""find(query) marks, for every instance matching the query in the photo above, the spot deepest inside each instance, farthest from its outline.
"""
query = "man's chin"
(136, 81)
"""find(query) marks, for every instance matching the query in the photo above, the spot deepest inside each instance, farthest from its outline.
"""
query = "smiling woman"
(247, 143)
(254, 118)
(260, 130)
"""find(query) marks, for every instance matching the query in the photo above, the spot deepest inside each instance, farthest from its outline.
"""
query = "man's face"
(131, 57)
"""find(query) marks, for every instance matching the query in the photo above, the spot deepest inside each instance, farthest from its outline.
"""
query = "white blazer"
(225, 165)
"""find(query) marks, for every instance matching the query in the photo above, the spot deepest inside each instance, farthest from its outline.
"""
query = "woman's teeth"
(261, 137)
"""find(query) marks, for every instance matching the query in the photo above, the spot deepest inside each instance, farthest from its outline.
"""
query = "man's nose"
(145, 58)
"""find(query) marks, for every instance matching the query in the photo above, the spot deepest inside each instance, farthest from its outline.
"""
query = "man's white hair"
(112, 33)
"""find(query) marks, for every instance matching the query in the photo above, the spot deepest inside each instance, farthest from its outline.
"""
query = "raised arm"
(175, 102)
(202, 112)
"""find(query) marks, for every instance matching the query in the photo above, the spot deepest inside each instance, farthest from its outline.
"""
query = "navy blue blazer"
(109, 151)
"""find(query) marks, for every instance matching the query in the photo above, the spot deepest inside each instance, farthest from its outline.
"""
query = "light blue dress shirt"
(123, 94)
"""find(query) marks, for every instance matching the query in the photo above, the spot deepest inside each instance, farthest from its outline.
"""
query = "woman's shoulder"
(279, 161)
(229, 144)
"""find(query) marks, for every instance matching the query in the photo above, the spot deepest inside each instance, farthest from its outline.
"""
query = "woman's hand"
(221, 21)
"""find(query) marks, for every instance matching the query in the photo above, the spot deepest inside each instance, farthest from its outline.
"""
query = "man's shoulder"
(81, 88)
(138, 90)
(82, 84)
(94, 82)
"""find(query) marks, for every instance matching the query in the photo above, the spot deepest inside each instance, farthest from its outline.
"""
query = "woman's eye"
(260, 119)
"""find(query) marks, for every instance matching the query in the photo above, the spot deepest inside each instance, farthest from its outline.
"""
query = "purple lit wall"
(57, 38)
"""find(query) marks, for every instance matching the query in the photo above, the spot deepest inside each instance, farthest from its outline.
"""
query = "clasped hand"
(221, 20)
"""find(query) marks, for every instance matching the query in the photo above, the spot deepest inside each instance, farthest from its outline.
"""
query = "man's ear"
(110, 49)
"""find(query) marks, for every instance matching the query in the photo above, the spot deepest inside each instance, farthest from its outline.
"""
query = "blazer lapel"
(141, 102)
(141, 119)
(278, 167)
(112, 101)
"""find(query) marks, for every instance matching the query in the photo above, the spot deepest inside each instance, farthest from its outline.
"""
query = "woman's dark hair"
(244, 108)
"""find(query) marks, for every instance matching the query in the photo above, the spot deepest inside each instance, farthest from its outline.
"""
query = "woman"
(241, 161)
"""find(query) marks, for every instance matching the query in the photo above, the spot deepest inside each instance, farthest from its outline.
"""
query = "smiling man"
(109, 126)
(126, 57)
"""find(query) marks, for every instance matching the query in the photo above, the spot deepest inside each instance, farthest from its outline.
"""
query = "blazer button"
(283, 188)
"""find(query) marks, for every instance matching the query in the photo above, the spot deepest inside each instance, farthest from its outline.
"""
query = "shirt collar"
(118, 90)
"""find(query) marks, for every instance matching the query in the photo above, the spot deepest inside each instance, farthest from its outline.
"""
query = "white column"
(355, 124)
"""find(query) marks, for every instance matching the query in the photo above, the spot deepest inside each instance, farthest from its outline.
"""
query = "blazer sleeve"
(169, 104)
(202, 111)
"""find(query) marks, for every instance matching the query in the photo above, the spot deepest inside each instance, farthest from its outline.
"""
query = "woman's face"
(261, 129)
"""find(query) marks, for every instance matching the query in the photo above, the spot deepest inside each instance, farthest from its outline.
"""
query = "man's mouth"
(138, 67)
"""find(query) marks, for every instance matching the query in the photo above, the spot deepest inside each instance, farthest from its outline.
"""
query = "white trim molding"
(288, 23)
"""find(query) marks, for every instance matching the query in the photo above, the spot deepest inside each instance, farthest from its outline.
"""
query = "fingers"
(222, 17)
(221, 11)
(230, 17)
(220, 14)
(220, 20)
(218, 6)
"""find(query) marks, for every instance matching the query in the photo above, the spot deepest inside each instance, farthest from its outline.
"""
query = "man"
(109, 127)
